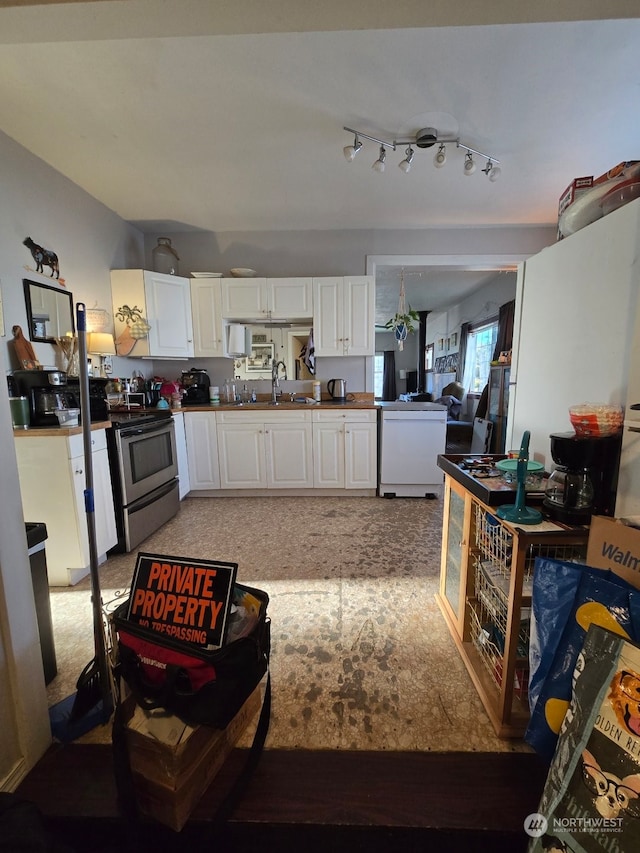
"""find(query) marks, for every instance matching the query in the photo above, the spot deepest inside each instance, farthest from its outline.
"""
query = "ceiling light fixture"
(491, 171)
(350, 151)
(378, 166)
(469, 165)
(426, 137)
(440, 157)
(405, 164)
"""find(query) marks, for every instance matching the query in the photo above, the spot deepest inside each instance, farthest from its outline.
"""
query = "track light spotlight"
(350, 151)
(491, 171)
(378, 166)
(405, 164)
(440, 157)
(469, 165)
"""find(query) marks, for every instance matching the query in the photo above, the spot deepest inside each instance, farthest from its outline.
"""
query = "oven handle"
(157, 426)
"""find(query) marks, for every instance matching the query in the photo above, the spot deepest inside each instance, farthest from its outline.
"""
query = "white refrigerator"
(577, 339)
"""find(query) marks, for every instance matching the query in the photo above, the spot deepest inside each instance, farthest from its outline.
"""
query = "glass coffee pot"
(569, 493)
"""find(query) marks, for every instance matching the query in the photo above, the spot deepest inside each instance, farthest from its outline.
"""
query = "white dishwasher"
(411, 435)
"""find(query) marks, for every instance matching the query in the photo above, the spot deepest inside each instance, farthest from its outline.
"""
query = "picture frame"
(261, 358)
(440, 344)
(454, 339)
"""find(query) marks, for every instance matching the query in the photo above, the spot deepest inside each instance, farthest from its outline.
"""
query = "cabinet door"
(182, 457)
(168, 300)
(359, 315)
(289, 457)
(202, 450)
(104, 516)
(290, 298)
(456, 534)
(242, 456)
(328, 455)
(328, 316)
(360, 455)
(206, 308)
(244, 298)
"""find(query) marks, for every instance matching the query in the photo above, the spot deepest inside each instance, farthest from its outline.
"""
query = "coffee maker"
(196, 383)
(585, 479)
(46, 390)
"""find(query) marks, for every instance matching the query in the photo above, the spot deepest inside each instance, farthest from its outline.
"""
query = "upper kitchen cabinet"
(343, 316)
(266, 298)
(206, 309)
(152, 314)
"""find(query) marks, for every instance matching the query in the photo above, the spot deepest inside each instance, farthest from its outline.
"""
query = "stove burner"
(119, 420)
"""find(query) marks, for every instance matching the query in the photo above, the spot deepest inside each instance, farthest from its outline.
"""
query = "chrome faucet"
(275, 385)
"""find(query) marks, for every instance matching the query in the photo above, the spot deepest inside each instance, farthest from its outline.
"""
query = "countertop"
(58, 430)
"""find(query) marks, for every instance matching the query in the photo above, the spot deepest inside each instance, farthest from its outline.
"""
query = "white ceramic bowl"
(240, 272)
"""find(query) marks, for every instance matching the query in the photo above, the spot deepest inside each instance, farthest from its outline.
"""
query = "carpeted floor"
(361, 657)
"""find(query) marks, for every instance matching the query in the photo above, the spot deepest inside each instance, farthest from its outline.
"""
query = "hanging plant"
(402, 323)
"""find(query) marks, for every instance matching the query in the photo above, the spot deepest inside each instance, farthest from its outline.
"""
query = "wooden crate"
(173, 764)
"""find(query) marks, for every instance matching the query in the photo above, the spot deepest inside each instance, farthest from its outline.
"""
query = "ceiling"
(188, 115)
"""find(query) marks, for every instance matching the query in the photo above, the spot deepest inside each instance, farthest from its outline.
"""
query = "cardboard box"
(575, 188)
(173, 764)
(616, 546)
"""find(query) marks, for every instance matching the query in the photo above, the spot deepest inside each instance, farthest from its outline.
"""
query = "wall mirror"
(49, 311)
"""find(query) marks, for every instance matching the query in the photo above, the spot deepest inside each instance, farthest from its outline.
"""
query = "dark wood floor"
(323, 800)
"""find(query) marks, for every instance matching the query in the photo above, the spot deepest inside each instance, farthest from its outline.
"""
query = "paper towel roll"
(237, 337)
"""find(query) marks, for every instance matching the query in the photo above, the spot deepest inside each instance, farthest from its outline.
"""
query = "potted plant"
(402, 324)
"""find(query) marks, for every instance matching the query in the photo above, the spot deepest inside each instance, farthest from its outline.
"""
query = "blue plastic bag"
(566, 599)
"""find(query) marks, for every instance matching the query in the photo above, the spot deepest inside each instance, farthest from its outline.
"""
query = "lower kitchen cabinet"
(52, 484)
(345, 449)
(201, 437)
(256, 453)
(486, 577)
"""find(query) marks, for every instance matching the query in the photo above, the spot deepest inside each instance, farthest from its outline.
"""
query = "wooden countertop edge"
(59, 431)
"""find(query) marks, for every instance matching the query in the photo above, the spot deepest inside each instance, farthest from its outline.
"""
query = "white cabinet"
(345, 449)
(52, 484)
(202, 450)
(290, 298)
(181, 454)
(267, 298)
(244, 298)
(206, 309)
(258, 450)
(343, 316)
(152, 314)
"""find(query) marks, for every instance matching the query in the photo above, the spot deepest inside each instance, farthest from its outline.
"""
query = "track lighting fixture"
(440, 157)
(405, 164)
(469, 165)
(350, 151)
(491, 171)
(426, 137)
(378, 166)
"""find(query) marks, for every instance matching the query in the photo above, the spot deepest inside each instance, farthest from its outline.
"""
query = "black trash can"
(36, 536)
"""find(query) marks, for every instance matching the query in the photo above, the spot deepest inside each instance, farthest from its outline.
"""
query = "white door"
(360, 454)
(328, 455)
(242, 456)
(168, 300)
(202, 450)
(290, 298)
(328, 316)
(359, 315)
(244, 298)
(206, 308)
(289, 455)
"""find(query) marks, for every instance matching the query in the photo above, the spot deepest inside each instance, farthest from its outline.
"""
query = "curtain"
(506, 316)
(462, 353)
(422, 343)
(389, 375)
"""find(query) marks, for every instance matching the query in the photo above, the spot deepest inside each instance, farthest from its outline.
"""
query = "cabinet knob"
(79, 471)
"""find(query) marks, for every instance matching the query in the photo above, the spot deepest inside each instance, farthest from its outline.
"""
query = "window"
(480, 346)
(378, 369)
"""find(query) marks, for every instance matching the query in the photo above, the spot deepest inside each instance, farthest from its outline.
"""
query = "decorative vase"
(165, 257)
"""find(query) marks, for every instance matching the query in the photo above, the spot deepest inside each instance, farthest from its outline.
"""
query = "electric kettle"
(337, 389)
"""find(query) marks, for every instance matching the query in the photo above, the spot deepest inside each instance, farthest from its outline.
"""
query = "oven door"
(146, 457)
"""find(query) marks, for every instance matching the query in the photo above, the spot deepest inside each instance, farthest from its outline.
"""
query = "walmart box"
(616, 546)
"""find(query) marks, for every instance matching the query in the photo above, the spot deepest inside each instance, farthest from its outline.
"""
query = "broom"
(94, 684)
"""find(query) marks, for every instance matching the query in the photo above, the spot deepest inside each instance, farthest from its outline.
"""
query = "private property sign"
(186, 599)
